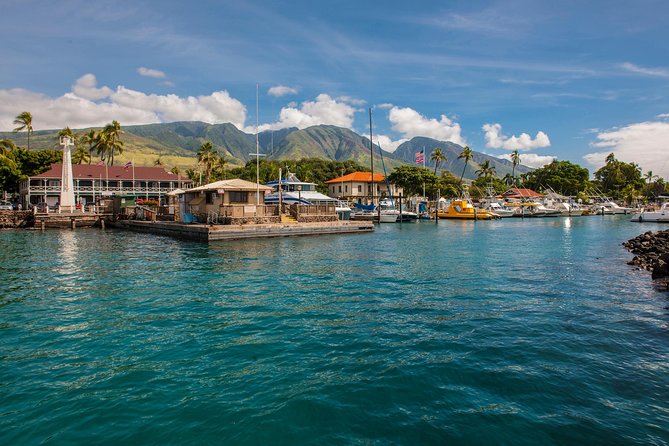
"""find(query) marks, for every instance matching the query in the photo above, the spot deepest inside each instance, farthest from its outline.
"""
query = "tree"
(515, 160)
(561, 176)
(412, 178)
(108, 142)
(6, 146)
(466, 155)
(486, 171)
(207, 157)
(89, 138)
(219, 167)
(81, 155)
(158, 162)
(437, 156)
(66, 132)
(24, 120)
(616, 175)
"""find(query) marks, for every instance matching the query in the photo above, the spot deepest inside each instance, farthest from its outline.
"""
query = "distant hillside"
(177, 143)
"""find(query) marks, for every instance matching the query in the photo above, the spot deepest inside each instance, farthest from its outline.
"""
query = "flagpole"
(424, 168)
(133, 178)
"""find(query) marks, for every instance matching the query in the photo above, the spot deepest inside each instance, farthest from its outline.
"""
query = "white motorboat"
(660, 215)
(610, 207)
(498, 209)
(388, 211)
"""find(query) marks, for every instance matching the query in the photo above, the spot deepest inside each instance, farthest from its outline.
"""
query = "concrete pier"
(206, 233)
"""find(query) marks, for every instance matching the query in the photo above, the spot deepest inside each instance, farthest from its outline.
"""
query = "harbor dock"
(207, 233)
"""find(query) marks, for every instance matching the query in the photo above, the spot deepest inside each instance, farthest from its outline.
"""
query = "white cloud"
(150, 72)
(531, 159)
(387, 143)
(352, 101)
(656, 72)
(89, 106)
(324, 110)
(663, 116)
(495, 140)
(410, 123)
(281, 90)
(384, 106)
(86, 87)
(644, 143)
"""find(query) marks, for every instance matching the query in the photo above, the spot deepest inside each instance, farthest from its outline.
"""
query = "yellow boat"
(463, 210)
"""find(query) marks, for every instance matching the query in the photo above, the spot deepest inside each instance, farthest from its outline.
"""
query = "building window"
(210, 197)
(340, 189)
(360, 188)
(238, 197)
(346, 189)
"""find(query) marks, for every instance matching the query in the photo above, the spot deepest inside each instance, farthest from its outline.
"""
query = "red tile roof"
(360, 177)
(520, 193)
(86, 171)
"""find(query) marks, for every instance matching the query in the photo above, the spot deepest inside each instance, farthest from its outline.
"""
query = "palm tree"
(6, 146)
(158, 162)
(437, 156)
(24, 120)
(81, 155)
(207, 157)
(89, 138)
(486, 171)
(509, 179)
(108, 142)
(650, 177)
(515, 160)
(220, 166)
(66, 132)
(467, 155)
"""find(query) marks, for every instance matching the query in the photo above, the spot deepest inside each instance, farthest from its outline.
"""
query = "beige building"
(228, 201)
(357, 187)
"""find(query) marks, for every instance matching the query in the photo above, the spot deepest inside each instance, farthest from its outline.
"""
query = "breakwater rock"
(651, 251)
(16, 219)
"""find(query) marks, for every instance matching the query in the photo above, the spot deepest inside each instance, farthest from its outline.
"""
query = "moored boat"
(462, 209)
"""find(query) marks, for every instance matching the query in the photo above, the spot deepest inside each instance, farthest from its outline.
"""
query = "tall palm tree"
(486, 171)
(221, 161)
(6, 146)
(89, 138)
(515, 160)
(437, 156)
(207, 157)
(650, 177)
(467, 155)
(24, 120)
(108, 142)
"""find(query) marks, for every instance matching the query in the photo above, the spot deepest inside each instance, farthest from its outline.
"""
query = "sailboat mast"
(371, 150)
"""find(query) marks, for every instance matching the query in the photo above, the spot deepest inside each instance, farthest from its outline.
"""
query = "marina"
(546, 335)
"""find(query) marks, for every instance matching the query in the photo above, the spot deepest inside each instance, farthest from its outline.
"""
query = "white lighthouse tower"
(66, 182)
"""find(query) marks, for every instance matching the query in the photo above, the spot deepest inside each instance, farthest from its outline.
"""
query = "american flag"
(101, 163)
(420, 157)
(128, 164)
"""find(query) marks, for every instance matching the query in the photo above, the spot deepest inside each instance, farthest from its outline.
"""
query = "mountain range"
(177, 143)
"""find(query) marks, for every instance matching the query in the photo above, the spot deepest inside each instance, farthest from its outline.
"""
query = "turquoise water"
(504, 332)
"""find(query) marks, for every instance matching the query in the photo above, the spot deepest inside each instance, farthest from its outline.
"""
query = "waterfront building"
(357, 186)
(92, 182)
(228, 201)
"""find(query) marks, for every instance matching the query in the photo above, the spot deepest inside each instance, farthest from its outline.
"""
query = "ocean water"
(508, 332)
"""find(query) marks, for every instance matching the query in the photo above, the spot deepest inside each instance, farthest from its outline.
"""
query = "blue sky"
(574, 80)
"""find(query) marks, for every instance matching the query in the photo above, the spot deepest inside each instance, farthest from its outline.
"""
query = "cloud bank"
(495, 140)
(88, 105)
(410, 123)
(644, 143)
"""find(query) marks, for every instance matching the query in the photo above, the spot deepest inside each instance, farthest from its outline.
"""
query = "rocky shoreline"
(651, 252)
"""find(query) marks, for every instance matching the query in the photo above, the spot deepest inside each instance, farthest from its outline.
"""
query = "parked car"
(41, 206)
(6, 206)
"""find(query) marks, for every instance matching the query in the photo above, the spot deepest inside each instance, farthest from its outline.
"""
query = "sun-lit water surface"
(505, 332)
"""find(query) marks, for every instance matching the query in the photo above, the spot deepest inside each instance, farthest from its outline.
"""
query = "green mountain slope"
(177, 143)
